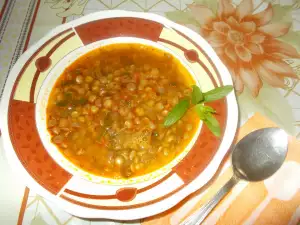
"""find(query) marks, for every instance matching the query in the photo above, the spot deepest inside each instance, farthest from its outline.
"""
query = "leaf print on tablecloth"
(247, 43)
(269, 103)
(296, 4)
(38, 220)
(211, 4)
(282, 13)
(69, 8)
(182, 17)
(292, 37)
(185, 17)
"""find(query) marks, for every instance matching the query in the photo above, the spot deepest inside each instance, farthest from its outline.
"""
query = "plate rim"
(205, 175)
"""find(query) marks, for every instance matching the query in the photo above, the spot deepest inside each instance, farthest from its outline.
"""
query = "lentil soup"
(106, 110)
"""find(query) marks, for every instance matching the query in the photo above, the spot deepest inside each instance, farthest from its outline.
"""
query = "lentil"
(107, 117)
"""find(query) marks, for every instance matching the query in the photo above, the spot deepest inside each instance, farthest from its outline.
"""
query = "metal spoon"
(256, 157)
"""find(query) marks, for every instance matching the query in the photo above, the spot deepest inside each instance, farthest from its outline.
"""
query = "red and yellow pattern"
(52, 177)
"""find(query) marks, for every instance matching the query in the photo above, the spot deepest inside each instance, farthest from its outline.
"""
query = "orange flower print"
(247, 43)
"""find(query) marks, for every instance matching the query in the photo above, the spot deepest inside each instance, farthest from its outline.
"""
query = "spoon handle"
(201, 214)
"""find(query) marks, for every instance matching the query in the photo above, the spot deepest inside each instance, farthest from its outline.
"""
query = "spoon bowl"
(255, 158)
(260, 154)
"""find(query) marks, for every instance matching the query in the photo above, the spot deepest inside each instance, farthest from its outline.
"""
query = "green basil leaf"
(217, 93)
(197, 95)
(202, 110)
(68, 96)
(209, 109)
(176, 113)
(62, 103)
(81, 101)
(213, 125)
(67, 82)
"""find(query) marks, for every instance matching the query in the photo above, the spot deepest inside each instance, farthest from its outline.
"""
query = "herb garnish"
(205, 113)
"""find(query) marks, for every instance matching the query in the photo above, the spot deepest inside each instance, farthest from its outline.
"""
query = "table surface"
(267, 86)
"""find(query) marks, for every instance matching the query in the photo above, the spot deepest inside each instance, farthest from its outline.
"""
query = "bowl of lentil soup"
(101, 116)
(29, 144)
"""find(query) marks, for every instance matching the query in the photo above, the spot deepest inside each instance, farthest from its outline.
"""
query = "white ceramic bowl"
(44, 94)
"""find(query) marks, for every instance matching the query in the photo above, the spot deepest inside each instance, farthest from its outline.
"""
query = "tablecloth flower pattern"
(247, 43)
(254, 43)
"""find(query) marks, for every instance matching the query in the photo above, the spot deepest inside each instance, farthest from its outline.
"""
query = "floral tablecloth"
(258, 40)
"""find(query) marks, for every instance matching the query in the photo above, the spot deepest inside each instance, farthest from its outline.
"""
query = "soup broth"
(106, 111)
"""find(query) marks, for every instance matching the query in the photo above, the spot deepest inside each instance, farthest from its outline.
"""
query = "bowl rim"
(131, 214)
(45, 92)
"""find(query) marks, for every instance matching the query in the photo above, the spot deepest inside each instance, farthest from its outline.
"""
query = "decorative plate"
(22, 113)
